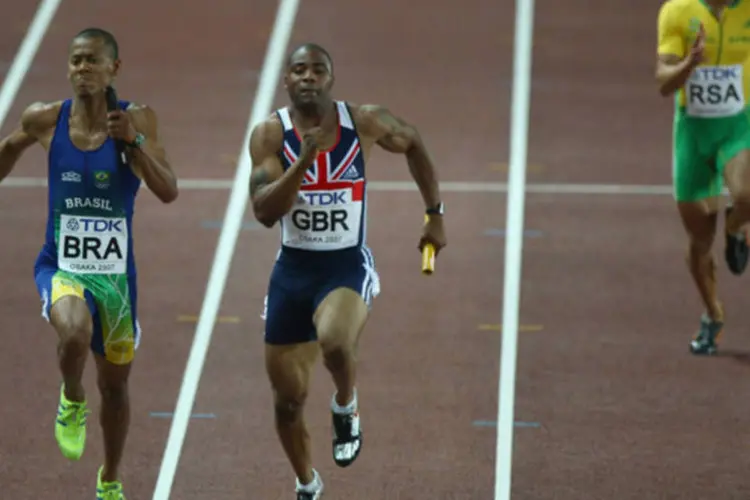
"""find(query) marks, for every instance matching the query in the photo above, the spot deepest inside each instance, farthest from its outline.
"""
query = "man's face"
(91, 67)
(308, 78)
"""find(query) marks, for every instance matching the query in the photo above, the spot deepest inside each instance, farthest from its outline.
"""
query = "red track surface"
(625, 413)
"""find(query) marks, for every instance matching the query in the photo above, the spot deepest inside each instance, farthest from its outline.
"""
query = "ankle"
(343, 402)
(74, 392)
(715, 314)
(308, 480)
(734, 230)
(109, 475)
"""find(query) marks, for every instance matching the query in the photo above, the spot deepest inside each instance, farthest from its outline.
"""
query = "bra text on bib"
(93, 245)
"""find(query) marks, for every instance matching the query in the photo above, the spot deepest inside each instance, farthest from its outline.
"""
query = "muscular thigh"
(737, 174)
(101, 307)
(344, 300)
(288, 308)
(117, 333)
(734, 152)
(66, 304)
(70, 317)
(696, 173)
(340, 318)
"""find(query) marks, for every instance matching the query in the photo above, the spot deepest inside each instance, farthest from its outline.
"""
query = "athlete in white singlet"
(309, 175)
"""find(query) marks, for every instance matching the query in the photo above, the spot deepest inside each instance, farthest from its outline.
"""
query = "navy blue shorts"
(299, 282)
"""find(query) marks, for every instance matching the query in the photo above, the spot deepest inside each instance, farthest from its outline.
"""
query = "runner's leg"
(115, 340)
(697, 187)
(339, 321)
(288, 368)
(69, 308)
(114, 413)
(737, 177)
(290, 353)
(71, 318)
(699, 220)
(342, 310)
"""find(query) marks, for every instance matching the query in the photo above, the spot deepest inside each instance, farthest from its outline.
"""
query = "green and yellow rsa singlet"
(720, 85)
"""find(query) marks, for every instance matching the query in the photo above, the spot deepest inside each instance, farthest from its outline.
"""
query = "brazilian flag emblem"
(101, 179)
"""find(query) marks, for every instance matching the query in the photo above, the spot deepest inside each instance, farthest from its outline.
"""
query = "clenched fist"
(120, 127)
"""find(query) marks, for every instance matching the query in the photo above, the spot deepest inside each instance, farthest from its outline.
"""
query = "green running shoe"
(108, 491)
(70, 426)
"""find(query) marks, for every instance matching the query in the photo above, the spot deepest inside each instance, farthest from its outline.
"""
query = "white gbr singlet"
(330, 210)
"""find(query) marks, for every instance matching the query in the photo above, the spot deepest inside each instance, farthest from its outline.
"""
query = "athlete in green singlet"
(704, 60)
(85, 272)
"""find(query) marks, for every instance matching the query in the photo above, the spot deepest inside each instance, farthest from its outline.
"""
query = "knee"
(75, 336)
(337, 352)
(741, 195)
(288, 407)
(334, 339)
(113, 393)
(700, 246)
(73, 325)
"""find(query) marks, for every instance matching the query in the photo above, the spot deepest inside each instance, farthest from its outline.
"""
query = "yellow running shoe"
(108, 491)
(70, 426)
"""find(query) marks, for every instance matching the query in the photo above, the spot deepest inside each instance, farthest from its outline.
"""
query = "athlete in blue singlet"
(85, 271)
(309, 175)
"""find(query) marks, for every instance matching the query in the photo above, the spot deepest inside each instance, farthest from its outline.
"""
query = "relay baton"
(112, 106)
(428, 255)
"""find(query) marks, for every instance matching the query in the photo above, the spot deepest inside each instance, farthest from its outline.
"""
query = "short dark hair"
(310, 46)
(106, 36)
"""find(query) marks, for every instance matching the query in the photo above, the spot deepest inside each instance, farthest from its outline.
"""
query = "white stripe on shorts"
(371, 283)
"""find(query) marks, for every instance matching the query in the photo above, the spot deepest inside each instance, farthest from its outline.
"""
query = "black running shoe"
(347, 438)
(303, 495)
(736, 251)
(704, 343)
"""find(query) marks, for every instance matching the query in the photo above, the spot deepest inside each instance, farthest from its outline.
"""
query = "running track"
(609, 403)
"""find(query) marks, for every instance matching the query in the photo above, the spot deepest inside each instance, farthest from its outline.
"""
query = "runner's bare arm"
(36, 120)
(396, 136)
(150, 160)
(672, 72)
(273, 192)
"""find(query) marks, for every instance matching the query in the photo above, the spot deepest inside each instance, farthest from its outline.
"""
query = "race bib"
(715, 91)
(93, 245)
(323, 220)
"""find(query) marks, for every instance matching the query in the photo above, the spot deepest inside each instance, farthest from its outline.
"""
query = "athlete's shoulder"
(267, 135)
(373, 119)
(144, 119)
(40, 116)
(365, 114)
(141, 111)
(361, 109)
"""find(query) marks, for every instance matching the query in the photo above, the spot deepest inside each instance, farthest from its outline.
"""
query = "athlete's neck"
(317, 116)
(90, 111)
(719, 4)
